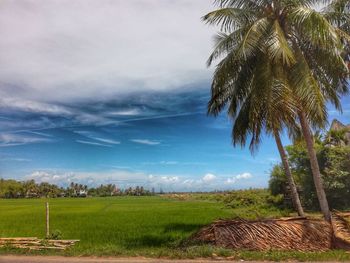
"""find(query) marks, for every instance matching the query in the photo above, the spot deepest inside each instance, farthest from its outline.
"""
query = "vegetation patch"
(250, 204)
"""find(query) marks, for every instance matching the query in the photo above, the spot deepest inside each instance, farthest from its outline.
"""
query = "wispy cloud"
(110, 141)
(161, 163)
(8, 139)
(93, 136)
(33, 106)
(169, 162)
(126, 112)
(154, 117)
(39, 133)
(84, 118)
(145, 141)
(13, 159)
(121, 111)
(93, 143)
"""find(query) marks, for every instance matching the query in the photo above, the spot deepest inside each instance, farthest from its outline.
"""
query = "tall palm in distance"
(305, 48)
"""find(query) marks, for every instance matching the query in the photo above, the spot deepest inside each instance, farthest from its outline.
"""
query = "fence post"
(47, 220)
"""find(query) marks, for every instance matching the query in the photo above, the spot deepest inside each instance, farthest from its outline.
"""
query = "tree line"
(30, 189)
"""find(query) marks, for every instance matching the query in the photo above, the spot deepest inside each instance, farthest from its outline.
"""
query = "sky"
(113, 91)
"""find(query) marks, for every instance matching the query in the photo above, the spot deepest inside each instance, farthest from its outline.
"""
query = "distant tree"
(335, 170)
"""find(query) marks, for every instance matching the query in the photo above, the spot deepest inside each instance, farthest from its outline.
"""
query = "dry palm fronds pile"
(300, 234)
(341, 229)
(34, 243)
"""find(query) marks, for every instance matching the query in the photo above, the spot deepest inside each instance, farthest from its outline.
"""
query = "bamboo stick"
(47, 220)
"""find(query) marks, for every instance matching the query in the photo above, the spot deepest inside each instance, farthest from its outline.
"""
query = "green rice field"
(116, 225)
(129, 226)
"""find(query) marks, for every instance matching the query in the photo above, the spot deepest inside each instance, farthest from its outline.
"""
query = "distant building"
(82, 193)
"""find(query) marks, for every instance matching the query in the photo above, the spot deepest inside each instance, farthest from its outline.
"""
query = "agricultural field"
(156, 226)
(114, 225)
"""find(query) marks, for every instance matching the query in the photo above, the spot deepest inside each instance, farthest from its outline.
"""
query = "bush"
(250, 204)
(56, 235)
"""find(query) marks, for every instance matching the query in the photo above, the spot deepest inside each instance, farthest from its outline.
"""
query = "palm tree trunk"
(285, 162)
(321, 195)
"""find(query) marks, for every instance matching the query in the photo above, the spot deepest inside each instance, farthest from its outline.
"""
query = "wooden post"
(47, 220)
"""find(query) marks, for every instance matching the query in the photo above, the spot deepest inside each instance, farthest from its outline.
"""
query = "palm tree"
(267, 107)
(305, 50)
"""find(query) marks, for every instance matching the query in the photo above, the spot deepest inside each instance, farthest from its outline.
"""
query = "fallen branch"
(33, 243)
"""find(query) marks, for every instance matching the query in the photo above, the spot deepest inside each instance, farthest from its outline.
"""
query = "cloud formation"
(209, 177)
(97, 138)
(8, 139)
(125, 178)
(145, 141)
(33, 106)
(93, 143)
(234, 179)
(63, 50)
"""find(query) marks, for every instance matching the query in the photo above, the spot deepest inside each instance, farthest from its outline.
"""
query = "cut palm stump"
(35, 243)
(300, 234)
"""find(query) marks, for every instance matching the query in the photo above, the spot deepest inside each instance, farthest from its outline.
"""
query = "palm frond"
(278, 46)
(314, 26)
(229, 18)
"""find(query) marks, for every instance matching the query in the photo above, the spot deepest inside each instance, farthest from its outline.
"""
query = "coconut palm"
(304, 49)
(267, 107)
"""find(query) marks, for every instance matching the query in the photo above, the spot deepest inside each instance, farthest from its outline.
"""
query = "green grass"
(131, 226)
(111, 226)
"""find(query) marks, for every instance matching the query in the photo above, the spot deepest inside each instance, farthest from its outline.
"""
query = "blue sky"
(116, 92)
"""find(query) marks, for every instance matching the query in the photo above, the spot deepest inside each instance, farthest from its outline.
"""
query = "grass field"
(110, 225)
(129, 226)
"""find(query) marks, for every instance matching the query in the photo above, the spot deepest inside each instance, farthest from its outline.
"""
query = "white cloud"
(243, 176)
(64, 178)
(169, 179)
(39, 133)
(169, 162)
(145, 141)
(61, 49)
(93, 143)
(127, 112)
(9, 139)
(93, 136)
(95, 119)
(33, 106)
(231, 180)
(13, 159)
(208, 182)
(166, 180)
(234, 179)
(175, 163)
(51, 109)
(209, 177)
(125, 178)
(110, 141)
